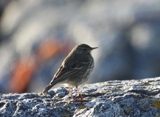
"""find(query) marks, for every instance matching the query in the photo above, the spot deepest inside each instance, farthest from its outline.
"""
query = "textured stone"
(126, 98)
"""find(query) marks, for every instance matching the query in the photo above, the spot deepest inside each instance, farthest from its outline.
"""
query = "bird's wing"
(67, 70)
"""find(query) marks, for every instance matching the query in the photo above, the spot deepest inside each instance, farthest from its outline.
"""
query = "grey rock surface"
(126, 98)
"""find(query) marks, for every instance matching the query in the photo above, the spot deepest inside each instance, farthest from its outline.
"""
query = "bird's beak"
(94, 48)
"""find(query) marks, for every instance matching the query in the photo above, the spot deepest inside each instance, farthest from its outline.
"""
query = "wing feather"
(67, 71)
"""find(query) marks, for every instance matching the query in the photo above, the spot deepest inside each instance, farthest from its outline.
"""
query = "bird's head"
(85, 48)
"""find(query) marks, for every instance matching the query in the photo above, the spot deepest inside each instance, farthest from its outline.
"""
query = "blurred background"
(36, 35)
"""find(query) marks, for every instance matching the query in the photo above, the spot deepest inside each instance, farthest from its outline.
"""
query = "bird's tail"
(46, 89)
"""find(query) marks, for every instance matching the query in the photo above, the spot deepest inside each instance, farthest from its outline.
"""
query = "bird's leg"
(70, 92)
(79, 95)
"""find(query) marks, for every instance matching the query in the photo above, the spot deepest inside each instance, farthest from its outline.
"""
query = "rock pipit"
(75, 68)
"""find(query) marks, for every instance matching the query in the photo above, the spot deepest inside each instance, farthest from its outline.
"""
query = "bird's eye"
(84, 48)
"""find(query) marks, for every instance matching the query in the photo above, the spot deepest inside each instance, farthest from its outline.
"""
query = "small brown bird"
(75, 68)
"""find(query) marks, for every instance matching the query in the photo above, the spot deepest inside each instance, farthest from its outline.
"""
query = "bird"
(75, 68)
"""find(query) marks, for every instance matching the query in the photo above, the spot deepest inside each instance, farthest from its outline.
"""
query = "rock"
(117, 98)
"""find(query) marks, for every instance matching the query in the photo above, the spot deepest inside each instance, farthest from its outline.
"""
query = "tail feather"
(46, 89)
(50, 85)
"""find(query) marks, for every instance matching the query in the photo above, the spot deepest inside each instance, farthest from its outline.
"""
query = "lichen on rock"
(117, 98)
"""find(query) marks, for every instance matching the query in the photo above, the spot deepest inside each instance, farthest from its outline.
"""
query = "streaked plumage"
(75, 68)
